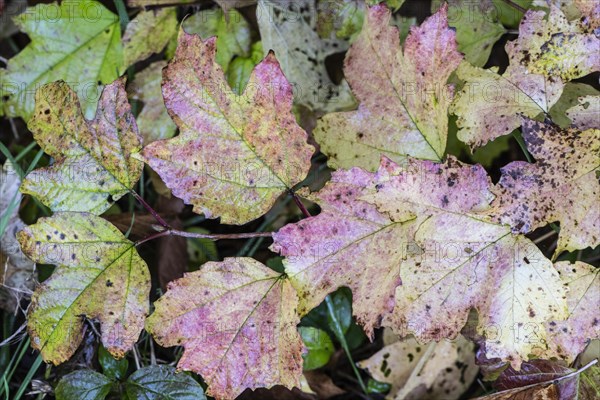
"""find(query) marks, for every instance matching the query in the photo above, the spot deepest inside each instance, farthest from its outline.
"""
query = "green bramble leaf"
(160, 382)
(231, 29)
(83, 385)
(477, 28)
(77, 42)
(319, 346)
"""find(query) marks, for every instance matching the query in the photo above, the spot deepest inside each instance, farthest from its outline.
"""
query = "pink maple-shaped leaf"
(235, 154)
(403, 95)
(236, 320)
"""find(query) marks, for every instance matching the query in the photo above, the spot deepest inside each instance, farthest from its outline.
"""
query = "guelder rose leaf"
(99, 276)
(78, 42)
(235, 154)
(458, 254)
(560, 186)
(569, 337)
(403, 94)
(92, 158)
(236, 320)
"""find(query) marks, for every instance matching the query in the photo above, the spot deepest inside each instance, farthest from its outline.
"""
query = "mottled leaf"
(148, 33)
(290, 29)
(235, 154)
(236, 320)
(491, 105)
(437, 371)
(153, 121)
(83, 385)
(92, 158)
(458, 254)
(231, 29)
(78, 42)
(560, 186)
(403, 94)
(161, 382)
(569, 338)
(552, 46)
(99, 276)
(477, 28)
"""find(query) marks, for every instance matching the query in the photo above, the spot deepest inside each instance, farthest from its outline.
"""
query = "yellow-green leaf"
(99, 276)
(92, 158)
(231, 29)
(477, 28)
(78, 42)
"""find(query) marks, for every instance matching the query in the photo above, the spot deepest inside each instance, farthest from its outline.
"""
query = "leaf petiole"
(151, 210)
(210, 236)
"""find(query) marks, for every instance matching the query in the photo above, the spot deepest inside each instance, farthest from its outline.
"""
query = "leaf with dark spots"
(93, 158)
(560, 186)
(448, 221)
(569, 337)
(99, 276)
